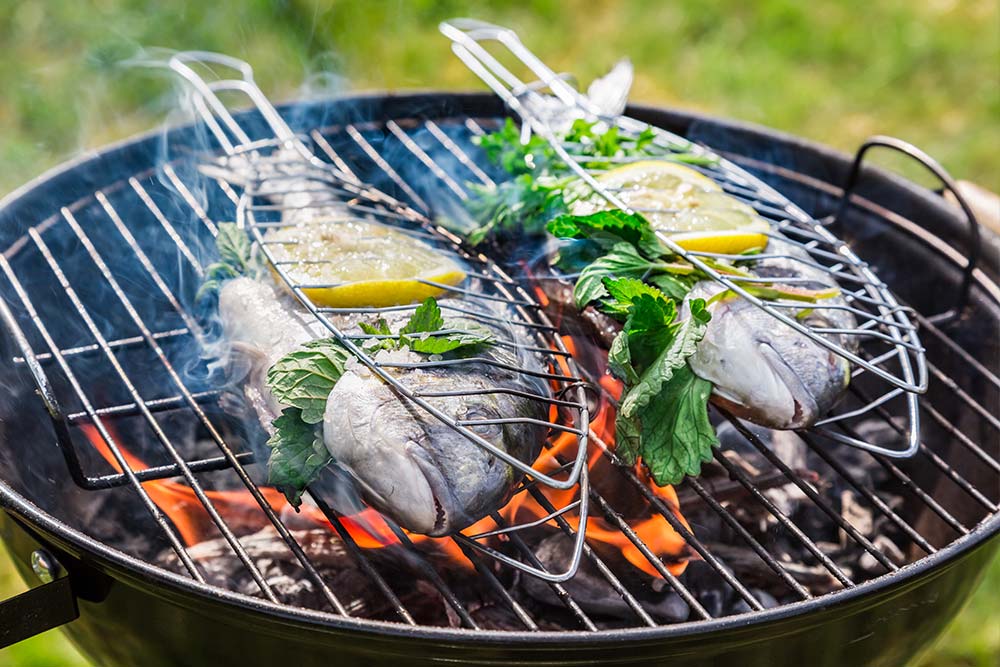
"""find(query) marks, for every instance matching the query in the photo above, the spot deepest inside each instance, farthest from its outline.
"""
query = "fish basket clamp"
(900, 366)
(349, 192)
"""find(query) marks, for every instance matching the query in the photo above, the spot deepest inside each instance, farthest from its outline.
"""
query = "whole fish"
(764, 370)
(425, 475)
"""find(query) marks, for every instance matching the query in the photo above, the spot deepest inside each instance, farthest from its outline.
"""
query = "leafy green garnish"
(298, 455)
(426, 317)
(428, 332)
(236, 258)
(519, 206)
(607, 228)
(650, 357)
(305, 377)
(543, 185)
(621, 261)
(676, 433)
(504, 148)
(681, 342)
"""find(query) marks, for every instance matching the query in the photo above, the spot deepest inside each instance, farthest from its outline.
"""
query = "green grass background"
(833, 71)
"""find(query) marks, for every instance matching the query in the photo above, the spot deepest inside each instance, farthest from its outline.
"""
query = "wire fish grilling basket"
(885, 337)
(290, 163)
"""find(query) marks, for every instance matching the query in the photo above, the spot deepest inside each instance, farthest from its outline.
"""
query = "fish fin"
(610, 92)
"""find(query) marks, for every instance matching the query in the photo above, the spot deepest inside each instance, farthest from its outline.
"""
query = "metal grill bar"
(161, 436)
(865, 543)
(666, 512)
(158, 516)
(877, 502)
(811, 493)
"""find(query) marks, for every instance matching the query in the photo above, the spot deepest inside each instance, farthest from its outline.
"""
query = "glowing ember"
(239, 508)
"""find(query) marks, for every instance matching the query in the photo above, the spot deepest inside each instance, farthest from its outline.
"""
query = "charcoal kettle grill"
(122, 605)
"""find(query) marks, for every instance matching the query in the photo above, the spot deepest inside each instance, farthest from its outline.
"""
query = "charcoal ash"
(592, 591)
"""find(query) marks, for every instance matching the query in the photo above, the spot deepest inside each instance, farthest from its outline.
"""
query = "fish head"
(432, 478)
(764, 370)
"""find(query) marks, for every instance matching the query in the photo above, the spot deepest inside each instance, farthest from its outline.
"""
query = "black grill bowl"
(132, 612)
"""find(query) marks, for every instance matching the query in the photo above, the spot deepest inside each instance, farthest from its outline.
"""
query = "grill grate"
(167, 195)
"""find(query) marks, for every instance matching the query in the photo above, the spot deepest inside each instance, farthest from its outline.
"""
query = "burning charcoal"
(593, 592)
(710, 590)
(766, 600)
(856, 515)
(283, 572)
(749, 567)
(868, 563)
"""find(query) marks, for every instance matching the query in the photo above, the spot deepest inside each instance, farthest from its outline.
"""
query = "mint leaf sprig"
(304, 378)
(623, 245)
(662, 417)
(237, 257)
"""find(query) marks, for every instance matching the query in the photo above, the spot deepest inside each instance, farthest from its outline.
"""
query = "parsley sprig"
(542, 186)
(304, 378)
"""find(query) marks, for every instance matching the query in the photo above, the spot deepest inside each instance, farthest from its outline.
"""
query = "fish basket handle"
(934, 167)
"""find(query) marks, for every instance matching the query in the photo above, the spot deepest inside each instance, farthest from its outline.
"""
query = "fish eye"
(488, 431)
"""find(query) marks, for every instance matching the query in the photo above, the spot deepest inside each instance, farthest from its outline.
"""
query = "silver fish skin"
(260, 325)
(763, 370)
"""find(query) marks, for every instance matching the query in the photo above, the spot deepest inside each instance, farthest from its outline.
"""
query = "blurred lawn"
(834, 71)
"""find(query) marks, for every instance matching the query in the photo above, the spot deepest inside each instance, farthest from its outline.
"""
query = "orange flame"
(194, 524)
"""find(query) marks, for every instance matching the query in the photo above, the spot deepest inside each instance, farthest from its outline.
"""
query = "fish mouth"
(804, 404)
(438, 487)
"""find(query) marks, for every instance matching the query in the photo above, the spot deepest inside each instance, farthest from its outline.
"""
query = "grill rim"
(112, 561)
(115, 560)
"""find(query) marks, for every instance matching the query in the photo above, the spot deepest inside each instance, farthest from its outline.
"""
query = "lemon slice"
(723, 243)
(356, 263)
(656, 175)
(687, 206)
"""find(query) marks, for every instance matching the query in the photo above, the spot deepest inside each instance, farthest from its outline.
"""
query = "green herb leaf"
(298, 455)
(453, 336)
(675, 285)
(237, 258)
(426, 317)
(626, 226)
(234, 247)
(427, 332)
(505, 148)
(379, 328)
(676, 433)
(622, 261)
(683, 344)
(650, 356)
(622, 292)
(620, 360)
(305, 377)
(628, 438)
(512, 208)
